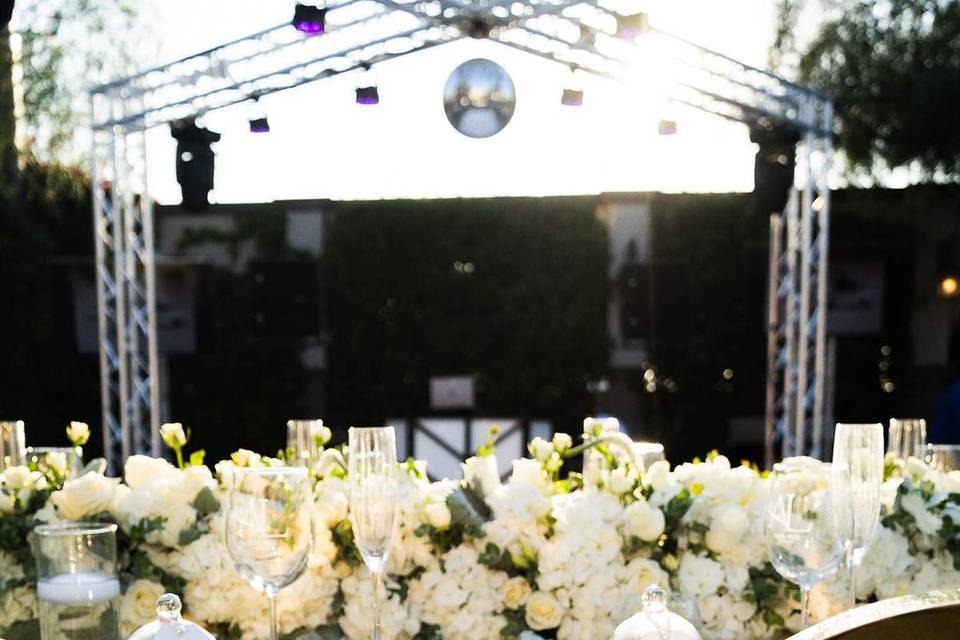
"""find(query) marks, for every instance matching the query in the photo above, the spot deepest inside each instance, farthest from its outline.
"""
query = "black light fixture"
(774, 164)
(309, 19)
(368, 95)
(632, 26)
(258, 117)
(195, 162)
(573, 93)
(667, 127)
(572, 97)
(367, 92)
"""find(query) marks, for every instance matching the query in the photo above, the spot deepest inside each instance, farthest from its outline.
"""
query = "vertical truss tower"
(585, 35)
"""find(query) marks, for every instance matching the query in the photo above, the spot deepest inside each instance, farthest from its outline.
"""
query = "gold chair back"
(929, 616)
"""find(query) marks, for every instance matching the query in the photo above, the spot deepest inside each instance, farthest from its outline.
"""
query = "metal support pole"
(774, 333)
(789, 445)
(804, 328)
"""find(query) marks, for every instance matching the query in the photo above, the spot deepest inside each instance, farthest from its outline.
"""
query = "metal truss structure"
(585, 35)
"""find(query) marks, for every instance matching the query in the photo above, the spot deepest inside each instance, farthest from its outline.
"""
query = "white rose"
(700, 577)
(543, 611)
(529, 472)
(173, 435)
(20, 477)
(657, 475)
(78, 433)
(139, 604)
(515, 592)
(57, 462)
(140, 470)
(438, 514)
(541, 449)
(643, 521)
(619, 481)
(728, 525)
(194, 479)
(483, 471)
(246, 458)
(562, 441)
(329, 461)
(87, 495)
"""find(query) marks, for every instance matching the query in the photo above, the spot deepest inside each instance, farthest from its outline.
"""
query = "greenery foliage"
(516, 294)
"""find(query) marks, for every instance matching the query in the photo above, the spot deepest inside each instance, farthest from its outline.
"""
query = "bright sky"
(323, 145)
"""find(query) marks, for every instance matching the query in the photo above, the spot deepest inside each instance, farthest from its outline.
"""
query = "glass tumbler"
(77, 583)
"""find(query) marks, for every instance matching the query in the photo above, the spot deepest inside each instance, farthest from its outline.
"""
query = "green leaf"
(206, 503)
(24, 630)
(97, 465)
(196, 458)
(469, 509)
(189, 535)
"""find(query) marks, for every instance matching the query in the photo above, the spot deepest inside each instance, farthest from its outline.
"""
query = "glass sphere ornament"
(479, 98)
(169, 625)
(655, 622)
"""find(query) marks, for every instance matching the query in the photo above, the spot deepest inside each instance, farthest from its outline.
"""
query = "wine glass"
(269, 528)
(372, 470)
(857, 475)
(802, 541)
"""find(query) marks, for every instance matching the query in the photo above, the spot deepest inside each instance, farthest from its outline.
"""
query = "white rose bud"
(543, 611)
(515, 592)
(87, 495)
(657, 475)
(562, 441)
(438, 514)
(173, 435)
(619, 481)
(541, 449)
(643, 521)
(554, 463)
(483, 471)
(329, 461)
(57, 461)
(78, 433)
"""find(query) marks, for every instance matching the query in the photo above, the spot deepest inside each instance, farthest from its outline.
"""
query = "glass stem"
(804, 603)
(377, 613)
(852, 578)
(274, 625)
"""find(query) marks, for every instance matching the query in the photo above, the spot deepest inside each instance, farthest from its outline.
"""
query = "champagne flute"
(269, 530)
(857, 475)
(798, 526)
(373, 501)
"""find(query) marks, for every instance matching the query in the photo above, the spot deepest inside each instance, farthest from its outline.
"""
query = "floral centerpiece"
(541, 555)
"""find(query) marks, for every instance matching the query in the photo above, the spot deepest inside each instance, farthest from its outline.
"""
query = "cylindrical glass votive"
(67, 461)
(77, 581)
(907, 438)
(303, 444)
(12, 443)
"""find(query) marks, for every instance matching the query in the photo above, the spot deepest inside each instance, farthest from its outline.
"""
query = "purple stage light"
(309, 19)
(572, 97)
(259, 125)
(368, 95)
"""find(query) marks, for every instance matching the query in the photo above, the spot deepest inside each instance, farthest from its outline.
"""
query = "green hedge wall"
(514, 291)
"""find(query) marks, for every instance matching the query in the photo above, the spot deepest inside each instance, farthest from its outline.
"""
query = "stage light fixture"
(573, 93)
(309, 19)
(367, 92)
(258, 116)
(667, 127)
(572, 97)
(195, 162)
(632, 26)
(368, 95)
(259, 125)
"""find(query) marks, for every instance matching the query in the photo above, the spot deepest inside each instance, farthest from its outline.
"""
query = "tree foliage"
(894, 69)
(66, 46)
